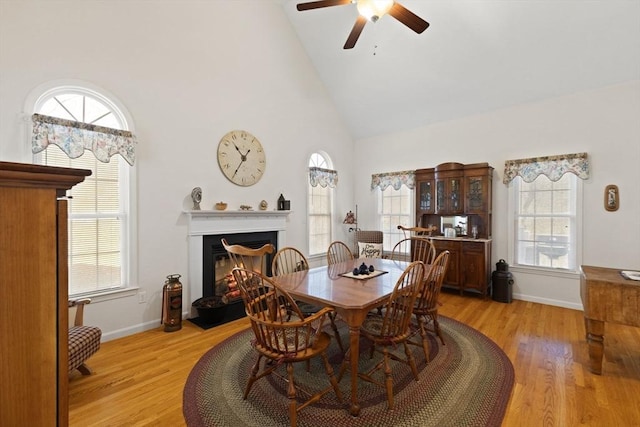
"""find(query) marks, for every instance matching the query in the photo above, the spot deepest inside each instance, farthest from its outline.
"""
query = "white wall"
(605, 123)
(188, 72)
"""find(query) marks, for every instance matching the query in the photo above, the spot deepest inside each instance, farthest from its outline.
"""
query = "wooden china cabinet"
(33, 293)
(456, 190)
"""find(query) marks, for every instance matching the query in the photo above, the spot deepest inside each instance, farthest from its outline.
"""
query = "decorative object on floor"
(196, 196)
(221, 206)
(467, 382)
(352, 219)
(372, 11)
(84, 340)
(172, 303)
(210, 310)
(611, 198)
(241, 158)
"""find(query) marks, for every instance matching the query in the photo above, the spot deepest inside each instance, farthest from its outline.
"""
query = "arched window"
(320, 206)
(100, 220)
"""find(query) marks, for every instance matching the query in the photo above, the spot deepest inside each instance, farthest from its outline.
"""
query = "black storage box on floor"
(502, 283)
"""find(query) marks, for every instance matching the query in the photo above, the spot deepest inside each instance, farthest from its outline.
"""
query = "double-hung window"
(99, 207)
(546, 207)
(395, 207)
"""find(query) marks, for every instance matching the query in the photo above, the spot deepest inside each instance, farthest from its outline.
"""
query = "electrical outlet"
(142, 297)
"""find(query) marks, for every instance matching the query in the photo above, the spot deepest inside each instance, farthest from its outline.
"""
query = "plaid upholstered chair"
(84, 340)
(373, 237)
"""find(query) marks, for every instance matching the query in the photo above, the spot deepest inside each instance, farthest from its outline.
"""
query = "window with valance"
(545, 210)
(323, 177)
(322, 180)
(394, 207)
(74, 137)
(79, 127)
(394, 180)
(553, 167)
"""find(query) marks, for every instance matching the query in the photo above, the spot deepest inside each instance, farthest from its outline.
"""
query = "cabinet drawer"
(473, 247)
(446, 245)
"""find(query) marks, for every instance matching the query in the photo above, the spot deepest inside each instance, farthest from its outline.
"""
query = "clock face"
(241, 158)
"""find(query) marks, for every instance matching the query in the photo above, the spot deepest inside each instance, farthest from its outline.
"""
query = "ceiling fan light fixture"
(374, 9)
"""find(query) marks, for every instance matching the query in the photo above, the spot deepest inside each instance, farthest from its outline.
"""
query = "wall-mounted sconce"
(352, 218)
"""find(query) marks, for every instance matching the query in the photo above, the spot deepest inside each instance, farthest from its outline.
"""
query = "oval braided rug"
(467, 382)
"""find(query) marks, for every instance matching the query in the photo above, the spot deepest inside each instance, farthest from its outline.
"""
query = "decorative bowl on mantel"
(221, 206)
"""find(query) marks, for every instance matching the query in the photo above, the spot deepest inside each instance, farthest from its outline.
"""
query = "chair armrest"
(79, 304)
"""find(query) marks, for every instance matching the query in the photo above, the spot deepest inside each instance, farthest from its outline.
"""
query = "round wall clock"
(241, 158)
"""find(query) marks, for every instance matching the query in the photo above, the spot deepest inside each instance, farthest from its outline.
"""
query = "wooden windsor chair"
(290, 260)
(426, 305)
(282, 338)
(390, 328)
(338, 252)
(414, 249)
(249, 258)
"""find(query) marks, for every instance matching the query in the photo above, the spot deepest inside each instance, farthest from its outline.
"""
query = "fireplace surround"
(207, 226)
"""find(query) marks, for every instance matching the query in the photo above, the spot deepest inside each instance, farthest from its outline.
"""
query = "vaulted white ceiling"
(476, 56)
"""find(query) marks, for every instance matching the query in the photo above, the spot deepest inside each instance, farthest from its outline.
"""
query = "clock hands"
(243, 158)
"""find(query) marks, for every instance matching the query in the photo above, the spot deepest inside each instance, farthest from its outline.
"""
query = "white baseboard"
(548, 301)
(141, 327)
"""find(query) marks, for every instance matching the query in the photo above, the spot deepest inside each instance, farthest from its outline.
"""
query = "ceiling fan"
(371, 10)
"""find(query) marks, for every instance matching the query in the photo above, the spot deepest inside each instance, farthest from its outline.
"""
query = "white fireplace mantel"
(205, 223)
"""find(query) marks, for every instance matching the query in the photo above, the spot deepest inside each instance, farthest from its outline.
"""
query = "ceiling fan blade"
(355, 32)
(408, 18)
(319, 4)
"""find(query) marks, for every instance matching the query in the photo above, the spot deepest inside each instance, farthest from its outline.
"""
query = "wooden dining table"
(351, 298)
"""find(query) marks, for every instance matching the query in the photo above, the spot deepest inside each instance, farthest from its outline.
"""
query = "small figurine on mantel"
(196, 196)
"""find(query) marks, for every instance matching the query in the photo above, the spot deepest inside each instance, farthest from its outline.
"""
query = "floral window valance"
(394, 179)
(553, 167)
(74, 137)
(323, 177)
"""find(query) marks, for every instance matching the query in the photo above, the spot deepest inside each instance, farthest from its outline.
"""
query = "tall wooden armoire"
(33, 293)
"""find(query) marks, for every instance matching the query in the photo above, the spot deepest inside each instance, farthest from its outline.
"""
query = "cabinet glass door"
(455, 201)
(426, 196)
(474, 194)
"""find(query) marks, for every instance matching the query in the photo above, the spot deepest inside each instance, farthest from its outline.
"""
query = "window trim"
(512, 203)
(129, 249)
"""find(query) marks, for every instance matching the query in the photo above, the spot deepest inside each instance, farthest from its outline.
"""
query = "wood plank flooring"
(138, 380)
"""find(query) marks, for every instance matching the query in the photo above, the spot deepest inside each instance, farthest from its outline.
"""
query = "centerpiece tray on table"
(363, 272)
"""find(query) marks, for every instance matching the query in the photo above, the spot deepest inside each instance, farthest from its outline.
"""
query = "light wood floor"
(138, 380)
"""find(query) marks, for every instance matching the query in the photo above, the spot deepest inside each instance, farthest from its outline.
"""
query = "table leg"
(354, 349)
(595, 338)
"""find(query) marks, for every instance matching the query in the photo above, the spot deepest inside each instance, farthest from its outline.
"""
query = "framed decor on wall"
(611, 198)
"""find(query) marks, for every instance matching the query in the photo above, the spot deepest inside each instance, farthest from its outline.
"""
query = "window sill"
(565, 274)
(108, 295)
